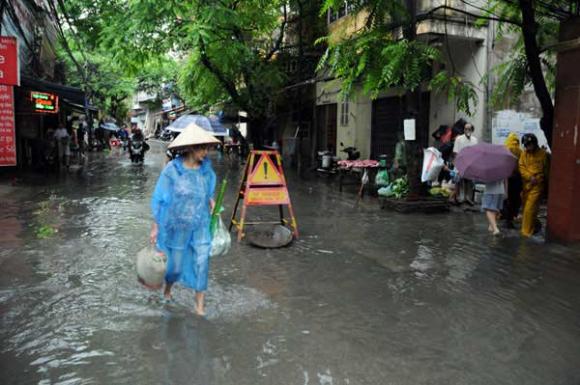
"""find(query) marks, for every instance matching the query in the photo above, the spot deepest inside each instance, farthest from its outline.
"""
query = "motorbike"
(351, 152)
(137, 150)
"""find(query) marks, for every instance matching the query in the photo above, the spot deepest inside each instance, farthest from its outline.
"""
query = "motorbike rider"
(137, 136)
(123, 136)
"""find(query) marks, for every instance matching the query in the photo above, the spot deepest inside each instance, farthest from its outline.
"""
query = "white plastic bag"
(222, 240)
(432, 164)
(151, 265)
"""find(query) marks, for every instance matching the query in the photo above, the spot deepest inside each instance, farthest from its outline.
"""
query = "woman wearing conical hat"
(181, 205)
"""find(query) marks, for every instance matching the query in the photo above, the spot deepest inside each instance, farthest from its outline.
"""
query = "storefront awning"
(72, 94)
(79, 107)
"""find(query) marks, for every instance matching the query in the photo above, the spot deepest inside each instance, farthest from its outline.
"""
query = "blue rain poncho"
(181, 209)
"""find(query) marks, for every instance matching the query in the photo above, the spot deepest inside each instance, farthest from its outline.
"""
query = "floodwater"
(364, 297)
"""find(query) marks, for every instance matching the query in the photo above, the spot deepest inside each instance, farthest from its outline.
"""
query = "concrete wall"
(357, 132)
(469, 58)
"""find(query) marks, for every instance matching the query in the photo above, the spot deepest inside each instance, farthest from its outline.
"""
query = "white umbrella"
(202, 121)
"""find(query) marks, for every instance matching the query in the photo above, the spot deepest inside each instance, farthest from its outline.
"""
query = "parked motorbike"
(351, 152)
(137, 150)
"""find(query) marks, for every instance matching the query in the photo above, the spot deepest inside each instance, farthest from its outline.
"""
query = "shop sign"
(9, 62)
(7, 127)
(44, 101)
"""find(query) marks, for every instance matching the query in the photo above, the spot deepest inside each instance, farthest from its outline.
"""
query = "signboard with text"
(44, 101)
(7, 127)
(9, 61)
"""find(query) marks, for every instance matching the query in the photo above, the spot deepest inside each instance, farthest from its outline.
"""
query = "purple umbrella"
(485, 162)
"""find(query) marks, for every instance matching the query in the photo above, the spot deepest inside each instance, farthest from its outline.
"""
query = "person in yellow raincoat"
(513, 202)
(533, 166)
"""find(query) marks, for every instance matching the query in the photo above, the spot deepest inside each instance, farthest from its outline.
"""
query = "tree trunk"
(412, 109)
(529, 30)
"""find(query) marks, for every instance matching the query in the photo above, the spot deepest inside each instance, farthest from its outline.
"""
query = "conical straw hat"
(193, 135)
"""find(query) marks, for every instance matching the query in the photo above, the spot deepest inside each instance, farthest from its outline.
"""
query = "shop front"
(40, 107)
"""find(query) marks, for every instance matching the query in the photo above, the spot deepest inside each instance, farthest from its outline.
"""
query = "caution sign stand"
(263, 184)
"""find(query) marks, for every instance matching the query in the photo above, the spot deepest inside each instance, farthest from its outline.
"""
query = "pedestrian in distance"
(464, 188)
(181, 205)
(533, 166)
(492, 203)
(62, 138)
(400, 159)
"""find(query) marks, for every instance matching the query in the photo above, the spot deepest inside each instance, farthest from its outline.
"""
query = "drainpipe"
(489, 43)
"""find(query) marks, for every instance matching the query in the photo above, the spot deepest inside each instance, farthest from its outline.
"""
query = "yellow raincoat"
(532, 165)
(513, 144)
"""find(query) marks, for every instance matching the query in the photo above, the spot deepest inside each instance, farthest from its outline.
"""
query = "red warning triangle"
(265, 173)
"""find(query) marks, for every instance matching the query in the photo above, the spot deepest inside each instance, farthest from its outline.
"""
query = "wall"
(470, 60)
(357, 132)
(563, 207)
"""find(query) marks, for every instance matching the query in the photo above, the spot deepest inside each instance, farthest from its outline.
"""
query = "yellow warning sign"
(263, 184)
(265, 173)
(267, 196)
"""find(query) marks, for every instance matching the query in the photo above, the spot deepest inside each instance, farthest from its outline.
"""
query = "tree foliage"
(512, 74)
(94, 67)
(378, 57)
(226, 49)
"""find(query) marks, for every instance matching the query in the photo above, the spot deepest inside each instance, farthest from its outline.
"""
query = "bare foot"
(496, 231)
(167, 293)
(200, 311)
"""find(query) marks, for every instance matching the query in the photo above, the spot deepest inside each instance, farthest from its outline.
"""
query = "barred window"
(344, 113)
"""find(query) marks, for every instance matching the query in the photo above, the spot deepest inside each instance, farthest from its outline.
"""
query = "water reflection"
(365, 296)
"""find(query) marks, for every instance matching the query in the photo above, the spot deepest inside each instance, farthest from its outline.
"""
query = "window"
(344, 113)
(344, 10)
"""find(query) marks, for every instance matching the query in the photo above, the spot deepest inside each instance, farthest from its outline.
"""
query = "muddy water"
(364, 297)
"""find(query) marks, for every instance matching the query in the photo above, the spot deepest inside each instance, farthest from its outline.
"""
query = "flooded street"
(366, 296)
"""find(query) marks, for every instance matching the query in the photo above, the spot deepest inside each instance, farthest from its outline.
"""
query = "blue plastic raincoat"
(181, 209)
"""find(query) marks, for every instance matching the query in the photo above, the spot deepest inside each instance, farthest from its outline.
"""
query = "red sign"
(7, 127)
(269, 196)
(9, 62)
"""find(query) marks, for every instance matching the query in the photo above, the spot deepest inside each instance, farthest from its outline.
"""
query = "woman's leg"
(200, 302)
(167, 291)
(174, 270)
(492, 219)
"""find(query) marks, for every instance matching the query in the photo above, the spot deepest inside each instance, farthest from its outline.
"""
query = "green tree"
(532, 62)
(97, 69)
(226, 49)
(379, 56)
(385, 53)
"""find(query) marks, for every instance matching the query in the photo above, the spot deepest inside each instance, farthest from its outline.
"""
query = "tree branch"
(228, 85)
(276, 47)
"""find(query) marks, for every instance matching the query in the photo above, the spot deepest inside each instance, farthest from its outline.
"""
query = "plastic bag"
(432, 164)
(382, 178)
(151, 265)
(221, 241)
